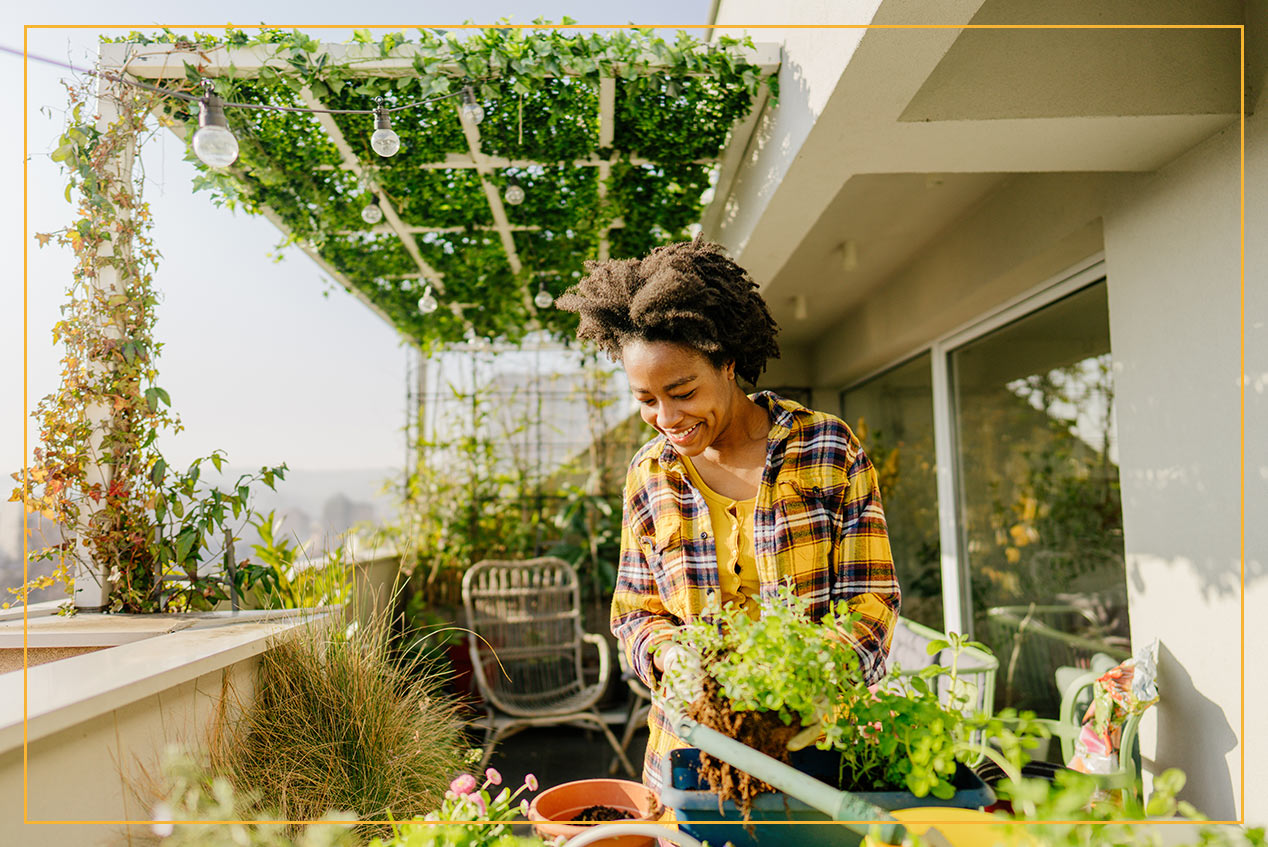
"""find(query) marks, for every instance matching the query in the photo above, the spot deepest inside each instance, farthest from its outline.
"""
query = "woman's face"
(680, 392)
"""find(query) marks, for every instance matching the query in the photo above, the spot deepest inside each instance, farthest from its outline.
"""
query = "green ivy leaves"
(675, 105)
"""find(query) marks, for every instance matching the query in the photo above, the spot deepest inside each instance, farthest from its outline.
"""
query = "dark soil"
(595, 814)
(763, 731)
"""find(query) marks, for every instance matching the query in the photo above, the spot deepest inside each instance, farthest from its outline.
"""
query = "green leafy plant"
(337, 724)
(1071, 812)
(283, 577)
(203, 809)
(895, 735)
(674, 103)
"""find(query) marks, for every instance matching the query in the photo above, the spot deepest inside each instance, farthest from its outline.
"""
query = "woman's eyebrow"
(670, 387)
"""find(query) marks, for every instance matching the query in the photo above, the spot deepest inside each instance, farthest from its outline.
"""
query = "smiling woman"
(738, 494)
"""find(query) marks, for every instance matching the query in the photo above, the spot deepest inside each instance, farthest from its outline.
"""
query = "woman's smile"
(682, 436)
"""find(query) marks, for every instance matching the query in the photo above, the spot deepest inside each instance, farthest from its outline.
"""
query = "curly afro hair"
(688, 293)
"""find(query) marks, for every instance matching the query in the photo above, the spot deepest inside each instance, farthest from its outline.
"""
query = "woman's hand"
(681, 673)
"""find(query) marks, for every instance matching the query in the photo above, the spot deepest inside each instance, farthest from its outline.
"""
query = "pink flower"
(524, 808)
(463, 785)
(530, 782)
(478, 800)
(493, 777)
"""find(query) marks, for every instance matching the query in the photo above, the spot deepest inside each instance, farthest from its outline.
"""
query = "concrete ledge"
(72, 691)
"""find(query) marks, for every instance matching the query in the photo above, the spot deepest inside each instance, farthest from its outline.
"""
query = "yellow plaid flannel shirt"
(818, 524)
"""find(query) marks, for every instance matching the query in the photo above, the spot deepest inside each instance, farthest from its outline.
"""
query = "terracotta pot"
(564, 802)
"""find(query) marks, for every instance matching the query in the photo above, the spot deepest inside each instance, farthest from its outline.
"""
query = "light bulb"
(428, 302)
(384, 141)
(372, 214)
(214, 144)
(514, 193)
(542, 299)
(471, 110)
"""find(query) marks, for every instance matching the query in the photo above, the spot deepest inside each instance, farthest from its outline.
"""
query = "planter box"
(75, 733)
(691, 800)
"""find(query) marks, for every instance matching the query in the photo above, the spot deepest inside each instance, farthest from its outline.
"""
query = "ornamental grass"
(337, 723)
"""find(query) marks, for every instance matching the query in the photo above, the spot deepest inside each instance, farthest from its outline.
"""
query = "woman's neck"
(744, 437)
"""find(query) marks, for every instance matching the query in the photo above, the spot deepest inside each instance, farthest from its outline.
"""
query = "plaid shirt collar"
(783, 414)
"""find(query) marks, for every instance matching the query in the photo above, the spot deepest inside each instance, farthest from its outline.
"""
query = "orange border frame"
(1241, 325)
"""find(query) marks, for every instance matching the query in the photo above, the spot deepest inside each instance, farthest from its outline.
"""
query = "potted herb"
(787, 681)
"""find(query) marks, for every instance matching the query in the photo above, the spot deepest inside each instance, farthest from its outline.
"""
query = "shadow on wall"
(1185, 713)
(1216, 580)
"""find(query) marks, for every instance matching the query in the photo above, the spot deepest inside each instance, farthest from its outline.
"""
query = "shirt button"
(704, 535)
(816, 490)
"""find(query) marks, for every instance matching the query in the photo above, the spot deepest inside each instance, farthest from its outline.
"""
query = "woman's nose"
(668, 415)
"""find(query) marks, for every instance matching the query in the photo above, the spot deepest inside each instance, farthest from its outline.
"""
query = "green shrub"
(337, 724)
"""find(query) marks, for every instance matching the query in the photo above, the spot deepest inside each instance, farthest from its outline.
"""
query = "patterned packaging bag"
(1124, 690)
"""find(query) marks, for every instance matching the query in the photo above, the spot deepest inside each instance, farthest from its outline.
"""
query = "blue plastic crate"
(683, 791)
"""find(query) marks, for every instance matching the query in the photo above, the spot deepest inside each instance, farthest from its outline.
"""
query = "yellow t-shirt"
(733, 536)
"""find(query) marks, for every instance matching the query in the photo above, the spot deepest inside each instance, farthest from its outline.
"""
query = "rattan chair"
(526, 646)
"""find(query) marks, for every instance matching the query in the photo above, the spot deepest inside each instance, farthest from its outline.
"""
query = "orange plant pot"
(554, 806)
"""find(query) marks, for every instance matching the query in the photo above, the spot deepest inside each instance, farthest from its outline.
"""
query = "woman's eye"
(686, 396)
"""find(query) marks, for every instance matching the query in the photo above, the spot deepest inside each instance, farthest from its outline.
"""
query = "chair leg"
(625, 738)
(616, 745)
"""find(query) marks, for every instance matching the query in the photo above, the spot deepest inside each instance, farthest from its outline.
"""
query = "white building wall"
(813, 60)
(1171, 249)
(1173, 258)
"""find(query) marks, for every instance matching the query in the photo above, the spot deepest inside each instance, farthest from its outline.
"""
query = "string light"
(471, 110)
(514, 192)
(372, 214)
(214, 144)
(384, 140)
(428, 302)
(543, 298)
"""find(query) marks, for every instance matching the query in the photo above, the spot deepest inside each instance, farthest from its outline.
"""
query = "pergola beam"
(500, 222)
(607, 129)
(168, 61)
(389, 211)
(458, 161)
(156, 61)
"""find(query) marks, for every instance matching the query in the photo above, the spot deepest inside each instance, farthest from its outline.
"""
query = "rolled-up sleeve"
(865, 576)
(640, 620)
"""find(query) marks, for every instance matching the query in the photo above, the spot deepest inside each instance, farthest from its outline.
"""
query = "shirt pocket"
(665, 554)
(809, 516)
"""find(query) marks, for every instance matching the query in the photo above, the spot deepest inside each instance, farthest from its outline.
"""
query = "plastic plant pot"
(692, 801)
(554, 807)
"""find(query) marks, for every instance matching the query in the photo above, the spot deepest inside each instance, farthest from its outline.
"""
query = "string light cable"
(211, 110)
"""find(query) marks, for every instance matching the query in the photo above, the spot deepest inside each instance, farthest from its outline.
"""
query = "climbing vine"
(539, 87)
(97, 474)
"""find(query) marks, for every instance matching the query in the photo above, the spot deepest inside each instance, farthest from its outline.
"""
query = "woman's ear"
(729, 369)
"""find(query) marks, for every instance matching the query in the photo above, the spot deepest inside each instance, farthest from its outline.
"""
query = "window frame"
(956, 610)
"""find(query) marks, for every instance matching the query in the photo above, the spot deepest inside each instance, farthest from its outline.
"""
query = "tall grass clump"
(337, 723)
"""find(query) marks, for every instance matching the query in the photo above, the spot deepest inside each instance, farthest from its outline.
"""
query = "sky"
(257, 361)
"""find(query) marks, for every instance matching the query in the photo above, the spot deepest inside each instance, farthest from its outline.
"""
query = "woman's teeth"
(681, 437)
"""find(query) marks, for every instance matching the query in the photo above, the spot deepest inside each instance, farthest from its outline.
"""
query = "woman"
(737, 493)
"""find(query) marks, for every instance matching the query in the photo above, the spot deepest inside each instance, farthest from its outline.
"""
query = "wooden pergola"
(164, 61)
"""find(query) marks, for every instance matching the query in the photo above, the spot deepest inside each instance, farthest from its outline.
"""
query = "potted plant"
(568, 810)
(786, 681)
